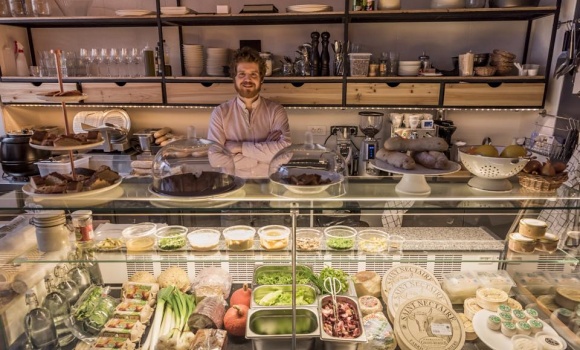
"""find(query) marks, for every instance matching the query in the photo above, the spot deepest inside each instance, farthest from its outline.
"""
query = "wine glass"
(137, 58)
(126, 59)
(97, 58)
(115, 58)
(86, 59)
(106, 60)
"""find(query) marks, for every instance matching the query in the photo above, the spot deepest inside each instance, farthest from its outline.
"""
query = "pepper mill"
(325, 55)
(315, 59)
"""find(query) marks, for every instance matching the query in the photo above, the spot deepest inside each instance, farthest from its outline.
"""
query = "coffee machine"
(370, 124)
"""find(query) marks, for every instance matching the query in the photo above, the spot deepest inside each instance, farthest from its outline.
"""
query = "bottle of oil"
(149, 60)
(38, 325)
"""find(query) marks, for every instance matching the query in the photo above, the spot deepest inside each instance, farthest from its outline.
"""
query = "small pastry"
(505, 316)
(518, 315)
(514, 304)
(522, 327)
(531, 313)
(508, 329)
(494, 322)
(504, 308)
(535, 326)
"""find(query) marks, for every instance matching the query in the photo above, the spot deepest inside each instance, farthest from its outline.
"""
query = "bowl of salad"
(171, 237)
(340, 237)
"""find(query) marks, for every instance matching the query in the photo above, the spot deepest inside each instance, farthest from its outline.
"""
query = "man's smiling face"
(248, 81)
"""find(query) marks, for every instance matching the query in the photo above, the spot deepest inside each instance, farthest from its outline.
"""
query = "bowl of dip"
(139, 237)
(204, 239)
(239, 237)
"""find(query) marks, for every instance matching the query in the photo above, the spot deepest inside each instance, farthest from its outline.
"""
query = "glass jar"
(4, 9)
(51, 231)
(82, 221)
(20, 8)
(267, 57)
(383, 63)
(41, 8)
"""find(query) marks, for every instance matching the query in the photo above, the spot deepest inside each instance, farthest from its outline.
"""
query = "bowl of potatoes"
(493, 165)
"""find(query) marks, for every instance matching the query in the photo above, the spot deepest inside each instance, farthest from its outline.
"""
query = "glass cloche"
(194, 167)
(306, 170)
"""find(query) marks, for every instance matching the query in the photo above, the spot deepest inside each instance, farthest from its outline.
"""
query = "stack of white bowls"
(217, 58)
(193, 59)
(409, 68)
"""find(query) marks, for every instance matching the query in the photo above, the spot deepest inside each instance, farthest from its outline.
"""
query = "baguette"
(417, 145)
(396, 159)
(165, 137)
(431, 159)
(161, 132)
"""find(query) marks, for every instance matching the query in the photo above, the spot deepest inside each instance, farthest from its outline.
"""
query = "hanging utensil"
(564, 54)
(333, 286)
(571, 54)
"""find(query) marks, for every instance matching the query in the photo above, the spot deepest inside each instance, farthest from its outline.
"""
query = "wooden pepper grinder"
(325, 55)
(315, 59)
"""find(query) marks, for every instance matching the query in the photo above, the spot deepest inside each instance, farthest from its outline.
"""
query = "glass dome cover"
(308, 169)
(194, 167)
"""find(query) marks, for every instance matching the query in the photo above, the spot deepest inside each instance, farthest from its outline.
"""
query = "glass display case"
(455, 229)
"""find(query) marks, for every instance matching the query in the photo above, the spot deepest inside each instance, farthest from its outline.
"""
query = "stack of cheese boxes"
(532, 236)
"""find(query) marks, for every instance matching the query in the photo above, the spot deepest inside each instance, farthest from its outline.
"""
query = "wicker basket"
(541, 183)
(486, 71)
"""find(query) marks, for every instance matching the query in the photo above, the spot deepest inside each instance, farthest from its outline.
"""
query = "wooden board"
(128, 93)
(506, 94)
(196, 93)
(26, 92)
(404, 94)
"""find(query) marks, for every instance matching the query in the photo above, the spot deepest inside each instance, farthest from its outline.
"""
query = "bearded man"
(251, 127)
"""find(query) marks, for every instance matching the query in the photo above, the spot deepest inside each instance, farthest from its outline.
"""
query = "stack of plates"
(309, 8)
(409, 68)
(217, 58)
(193, 59)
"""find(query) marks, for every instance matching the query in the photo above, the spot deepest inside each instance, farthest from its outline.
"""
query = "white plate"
(419, 169)
(133, 12)
(308, 8)
(59, 99)
(30, 191)
(175, 10)
(495, 339)
(68, 148)
(431, 74)
(239, 193)
(335, 178)
(79, 202)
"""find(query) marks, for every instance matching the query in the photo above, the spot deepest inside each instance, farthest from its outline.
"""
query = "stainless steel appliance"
(370, 124)
(114, 125)
(344, 148)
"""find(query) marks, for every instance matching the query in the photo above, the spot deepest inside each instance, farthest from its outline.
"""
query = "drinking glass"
(393, 64)
(115, 58)
(126, 59)
(97, 58)
(136, 58)
(86, 60)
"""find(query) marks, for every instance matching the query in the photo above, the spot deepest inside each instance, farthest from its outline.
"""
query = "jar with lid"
(41, 8)
(267, 57)
(20, 8)
(82, 222)
(383, 63)
(52, 234)
(425, 62)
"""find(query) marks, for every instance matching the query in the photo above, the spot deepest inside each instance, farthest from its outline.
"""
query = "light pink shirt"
(231, 121)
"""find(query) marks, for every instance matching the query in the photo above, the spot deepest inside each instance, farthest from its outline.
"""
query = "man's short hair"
(247, 55)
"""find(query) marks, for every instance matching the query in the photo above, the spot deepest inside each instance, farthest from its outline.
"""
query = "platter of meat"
(88, 182)
(51, 142)
(346, 326)
(306, 181)
(65, 96)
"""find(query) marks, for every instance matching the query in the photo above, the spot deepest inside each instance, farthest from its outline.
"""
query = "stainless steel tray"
(259, 270)
(335, 343)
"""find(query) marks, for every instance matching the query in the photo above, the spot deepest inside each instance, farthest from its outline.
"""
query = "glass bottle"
(90, 264)
(67, 287)
(58, 306)
(38, 325)
(77, 272)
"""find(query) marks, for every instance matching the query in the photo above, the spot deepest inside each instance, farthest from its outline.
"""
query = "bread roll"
(418, 145)
(396, 159)
(431, 159)
(161, 132)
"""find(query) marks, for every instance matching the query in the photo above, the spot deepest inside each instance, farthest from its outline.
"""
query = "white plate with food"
(238, 184)
(495, 339)
(27, 189)
(419, 169)
(59, 99)
(135, 12)
(84, 146)
(306, 181)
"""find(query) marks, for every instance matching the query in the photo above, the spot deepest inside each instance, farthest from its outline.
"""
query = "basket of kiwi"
(543, 177)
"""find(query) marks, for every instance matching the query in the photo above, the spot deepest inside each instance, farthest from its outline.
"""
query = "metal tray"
(259, 292)
(272, 328)
(335, 343)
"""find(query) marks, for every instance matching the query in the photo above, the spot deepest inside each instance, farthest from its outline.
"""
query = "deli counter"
(452, 230)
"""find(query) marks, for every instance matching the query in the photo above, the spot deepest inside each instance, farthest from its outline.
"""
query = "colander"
(491, 173)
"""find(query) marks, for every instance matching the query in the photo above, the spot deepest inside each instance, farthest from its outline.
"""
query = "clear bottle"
(67, 287)
(90, 264)
(267, 57)
(58, 306)
(39, 326)
(77, 272)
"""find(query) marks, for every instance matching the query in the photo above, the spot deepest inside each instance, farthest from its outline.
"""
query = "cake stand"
(413, 181)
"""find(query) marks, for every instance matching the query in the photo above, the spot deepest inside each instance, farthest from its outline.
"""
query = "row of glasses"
(129, 57)
(47, 64)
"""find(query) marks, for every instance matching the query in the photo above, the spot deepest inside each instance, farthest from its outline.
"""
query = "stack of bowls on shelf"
(193, 59)
(217, 58)
(503, 61)
(409, 68)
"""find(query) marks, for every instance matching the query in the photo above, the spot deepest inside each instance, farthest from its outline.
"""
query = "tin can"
(82, 221)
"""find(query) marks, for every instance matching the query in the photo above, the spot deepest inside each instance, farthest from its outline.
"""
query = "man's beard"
(243, 92)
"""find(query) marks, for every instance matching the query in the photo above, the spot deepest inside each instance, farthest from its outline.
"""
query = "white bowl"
(410, 63)
(408, 71)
